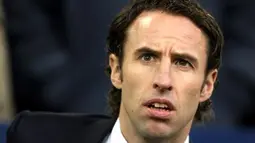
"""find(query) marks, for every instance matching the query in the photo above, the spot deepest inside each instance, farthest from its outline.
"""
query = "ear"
(115, 71)
(208, 86)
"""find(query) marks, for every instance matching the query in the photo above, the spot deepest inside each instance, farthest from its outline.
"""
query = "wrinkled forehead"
(160, 25)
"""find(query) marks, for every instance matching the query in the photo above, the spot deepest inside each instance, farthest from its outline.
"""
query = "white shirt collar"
(117, 137)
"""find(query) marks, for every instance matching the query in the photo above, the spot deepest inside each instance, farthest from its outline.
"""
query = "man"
(163, 63)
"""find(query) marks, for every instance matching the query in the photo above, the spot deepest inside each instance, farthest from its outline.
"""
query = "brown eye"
(148, 57)
(182, 63)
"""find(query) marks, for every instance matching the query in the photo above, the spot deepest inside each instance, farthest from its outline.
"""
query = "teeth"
(159, 105)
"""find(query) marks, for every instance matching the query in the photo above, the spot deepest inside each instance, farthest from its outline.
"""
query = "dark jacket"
(45, 127)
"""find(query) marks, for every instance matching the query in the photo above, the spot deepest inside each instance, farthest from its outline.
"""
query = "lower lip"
(159, 113)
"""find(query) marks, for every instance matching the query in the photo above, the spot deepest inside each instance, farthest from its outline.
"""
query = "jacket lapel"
(100, 130)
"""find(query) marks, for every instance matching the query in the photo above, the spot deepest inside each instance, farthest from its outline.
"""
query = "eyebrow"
(146, 50)
(183, 55)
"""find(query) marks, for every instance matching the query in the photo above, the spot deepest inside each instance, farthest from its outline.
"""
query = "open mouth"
(159, 106)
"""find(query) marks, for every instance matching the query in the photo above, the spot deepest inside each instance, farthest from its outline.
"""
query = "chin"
(159, 134)
(158, 129)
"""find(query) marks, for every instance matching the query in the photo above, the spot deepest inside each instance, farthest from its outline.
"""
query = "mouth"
(161, 104)
(159, 108)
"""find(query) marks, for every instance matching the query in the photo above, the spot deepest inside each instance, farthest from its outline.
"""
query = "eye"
(182, 63)
(147, 57)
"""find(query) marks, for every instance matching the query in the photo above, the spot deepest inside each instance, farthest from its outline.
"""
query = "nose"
(162, 81)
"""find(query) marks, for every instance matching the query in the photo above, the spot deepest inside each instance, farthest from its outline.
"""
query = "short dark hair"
(187, 8)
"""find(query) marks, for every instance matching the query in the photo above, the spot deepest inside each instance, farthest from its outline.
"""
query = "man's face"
(163, 75)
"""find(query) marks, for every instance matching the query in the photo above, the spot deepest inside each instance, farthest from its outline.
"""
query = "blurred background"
(53, 54)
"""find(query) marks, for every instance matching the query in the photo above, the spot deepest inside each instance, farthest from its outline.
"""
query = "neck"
(131, 132)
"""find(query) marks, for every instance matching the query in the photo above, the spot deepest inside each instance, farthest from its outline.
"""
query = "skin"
(164, 57)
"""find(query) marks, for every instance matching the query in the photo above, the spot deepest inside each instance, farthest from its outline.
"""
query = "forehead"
(158, 27)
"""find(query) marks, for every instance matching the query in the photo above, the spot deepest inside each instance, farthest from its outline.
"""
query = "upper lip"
(161, 101)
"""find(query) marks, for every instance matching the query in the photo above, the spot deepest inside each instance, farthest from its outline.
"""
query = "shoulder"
(46, 123)
(32, 119)
(49, 116)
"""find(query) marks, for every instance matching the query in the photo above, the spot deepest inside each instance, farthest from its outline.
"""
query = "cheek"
(190, 83)
(136, 81)
(137, 76)
(188, 101)
(188, 91)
